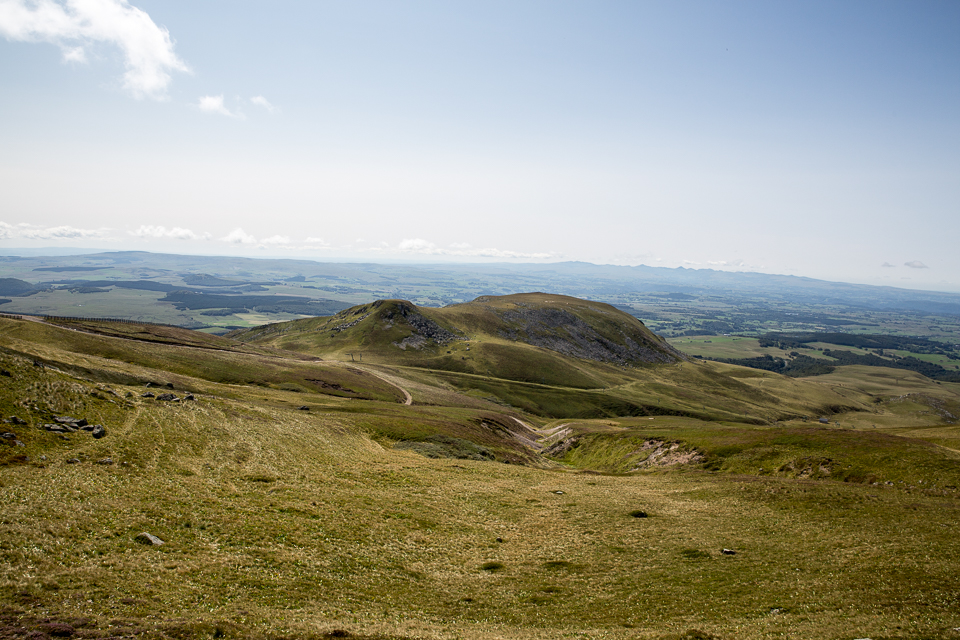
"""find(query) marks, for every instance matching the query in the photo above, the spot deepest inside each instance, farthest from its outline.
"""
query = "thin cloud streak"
(260, 101)
(176, 233)
(214, 104)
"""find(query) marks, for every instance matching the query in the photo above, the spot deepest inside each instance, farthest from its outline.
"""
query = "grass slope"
(311, 524)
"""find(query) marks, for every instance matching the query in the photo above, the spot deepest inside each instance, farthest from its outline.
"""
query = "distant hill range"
(443, 284)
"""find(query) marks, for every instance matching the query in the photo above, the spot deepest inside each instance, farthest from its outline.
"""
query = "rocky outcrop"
(567, 333)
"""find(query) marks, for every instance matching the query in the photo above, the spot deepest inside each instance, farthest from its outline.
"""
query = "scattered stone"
(8, 436)
(58, 428)
(559, 493)
(189, 396)
(639, 513)
(73, 461)
(148, 539)
(5, 373)
(15, 420)
(105, 461)
(17, 443)
(303, 408)
(167, 397)
(728, 552)
(148, 394)
(148, 385)
(128, 394)
(73, 422)
(98, 431)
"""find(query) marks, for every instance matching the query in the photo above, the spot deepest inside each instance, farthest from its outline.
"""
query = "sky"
(806, 138)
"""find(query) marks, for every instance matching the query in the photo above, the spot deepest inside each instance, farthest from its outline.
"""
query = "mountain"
(532, 337)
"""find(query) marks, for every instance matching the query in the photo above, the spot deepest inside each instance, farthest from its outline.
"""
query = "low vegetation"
(319, 485)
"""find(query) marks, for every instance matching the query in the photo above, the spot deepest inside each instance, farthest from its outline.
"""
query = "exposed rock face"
(148, 539)
(667, 454)
(564, 332)
(424, 329)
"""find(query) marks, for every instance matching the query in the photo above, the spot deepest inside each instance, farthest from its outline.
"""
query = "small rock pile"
(9, 437)
(67, 424)
(167, 397)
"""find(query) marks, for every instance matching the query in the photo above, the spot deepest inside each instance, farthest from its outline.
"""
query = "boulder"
(303, 408)
(189, 396)
(98, 431)
(73, 461)
(148, 539)
(728, 552)
(105, 461)
(15, 420)
(8, 436)
(5, 373)
(167, 397)
(148, 394)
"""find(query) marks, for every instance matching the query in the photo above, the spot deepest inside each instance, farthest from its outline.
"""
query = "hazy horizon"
(809, 139)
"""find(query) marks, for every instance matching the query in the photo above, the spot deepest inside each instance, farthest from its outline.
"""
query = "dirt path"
(408, 399)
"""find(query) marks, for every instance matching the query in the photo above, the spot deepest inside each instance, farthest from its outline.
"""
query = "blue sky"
(805, 138)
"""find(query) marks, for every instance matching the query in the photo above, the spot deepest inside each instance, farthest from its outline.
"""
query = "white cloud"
(63, 232)
(74, 54)
(74, 25)
(915, 264)
(276, 240)
(214, 104)
(887, 264)
(313, 240)
(6, 231)
(425, 247)
(417, 245)
(239, 236)
(177, 233)
(260, 101)
(725, 263)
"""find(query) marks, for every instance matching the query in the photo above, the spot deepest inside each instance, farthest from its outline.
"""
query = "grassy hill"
(302, 493)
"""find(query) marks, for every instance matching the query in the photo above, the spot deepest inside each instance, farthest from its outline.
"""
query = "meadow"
(292, 508)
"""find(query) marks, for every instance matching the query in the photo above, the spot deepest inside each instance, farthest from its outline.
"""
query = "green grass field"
(280, 522)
